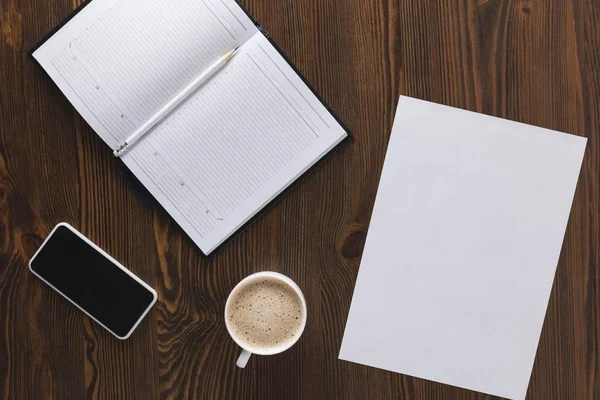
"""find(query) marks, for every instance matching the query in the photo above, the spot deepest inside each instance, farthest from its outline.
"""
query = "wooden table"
(529, 61)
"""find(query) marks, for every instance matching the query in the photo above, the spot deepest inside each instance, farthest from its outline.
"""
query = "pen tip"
(231, 53)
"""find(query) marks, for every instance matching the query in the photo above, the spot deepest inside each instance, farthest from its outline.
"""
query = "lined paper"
(235, 144)
(227, 150)
(119, 61)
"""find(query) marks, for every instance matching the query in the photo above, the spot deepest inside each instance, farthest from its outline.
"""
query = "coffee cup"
(265, 314)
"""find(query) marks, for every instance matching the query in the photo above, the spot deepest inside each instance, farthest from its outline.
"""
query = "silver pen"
(173, 103)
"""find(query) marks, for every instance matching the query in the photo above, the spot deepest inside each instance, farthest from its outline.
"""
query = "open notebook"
(229, 148)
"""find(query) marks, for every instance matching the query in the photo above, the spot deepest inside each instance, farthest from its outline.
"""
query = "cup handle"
(243, 359)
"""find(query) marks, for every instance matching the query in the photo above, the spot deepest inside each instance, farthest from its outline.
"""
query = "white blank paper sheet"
(462, 248)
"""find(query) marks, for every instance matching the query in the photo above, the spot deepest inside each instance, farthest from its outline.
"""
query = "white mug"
(247, 351)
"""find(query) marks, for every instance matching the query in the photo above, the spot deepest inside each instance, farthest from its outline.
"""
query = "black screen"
(92, 281)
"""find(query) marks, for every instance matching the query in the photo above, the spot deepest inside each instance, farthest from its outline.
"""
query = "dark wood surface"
(531, 61)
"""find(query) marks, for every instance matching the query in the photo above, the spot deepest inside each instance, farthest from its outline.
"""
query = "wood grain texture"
(532, 61)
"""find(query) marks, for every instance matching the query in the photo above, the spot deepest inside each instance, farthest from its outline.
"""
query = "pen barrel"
(164, 111)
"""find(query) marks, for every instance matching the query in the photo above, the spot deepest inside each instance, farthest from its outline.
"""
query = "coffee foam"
(265, 314)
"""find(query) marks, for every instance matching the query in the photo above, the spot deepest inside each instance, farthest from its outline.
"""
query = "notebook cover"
(146, 197)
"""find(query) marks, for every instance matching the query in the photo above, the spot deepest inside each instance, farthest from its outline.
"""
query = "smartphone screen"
(97, 284)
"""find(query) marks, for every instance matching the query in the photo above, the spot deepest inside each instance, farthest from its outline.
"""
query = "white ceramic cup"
(248, 351)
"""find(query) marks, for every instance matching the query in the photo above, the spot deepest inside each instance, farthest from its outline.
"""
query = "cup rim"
(288, 281)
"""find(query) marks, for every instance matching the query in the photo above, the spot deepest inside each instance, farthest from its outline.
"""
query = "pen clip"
(120, 150)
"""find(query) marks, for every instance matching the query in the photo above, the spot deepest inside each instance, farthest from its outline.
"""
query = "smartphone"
(98, 285)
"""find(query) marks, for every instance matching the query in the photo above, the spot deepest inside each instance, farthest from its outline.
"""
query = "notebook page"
(234, 145)
(119, 61)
